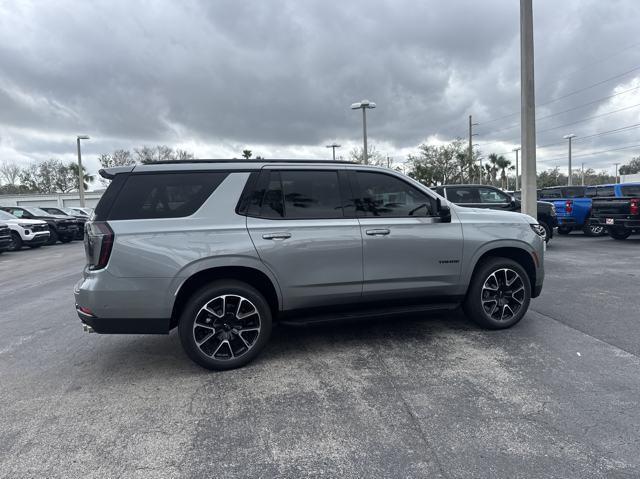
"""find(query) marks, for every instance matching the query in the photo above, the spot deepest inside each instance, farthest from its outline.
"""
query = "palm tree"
(246, 154)
(501, 164)
(73, 168)
(494, 160)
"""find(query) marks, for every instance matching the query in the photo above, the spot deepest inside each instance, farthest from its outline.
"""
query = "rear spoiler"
(110, 173)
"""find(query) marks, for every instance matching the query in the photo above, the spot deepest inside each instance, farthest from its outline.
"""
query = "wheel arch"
(524, 257)
(248, 274)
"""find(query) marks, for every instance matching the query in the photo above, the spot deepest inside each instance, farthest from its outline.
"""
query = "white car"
(32, 233)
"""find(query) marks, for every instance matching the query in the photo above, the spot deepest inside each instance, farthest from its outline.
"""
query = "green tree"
(631, 168)
(440, 164)
(9, 172)
(246, 154)
(49, 176)
(87, 178)
(117, 158)
(374, 157)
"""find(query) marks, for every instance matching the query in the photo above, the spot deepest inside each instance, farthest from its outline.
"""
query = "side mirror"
(444, 212)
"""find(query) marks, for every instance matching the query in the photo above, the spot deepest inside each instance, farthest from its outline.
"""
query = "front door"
(408, 250)
(303, 233)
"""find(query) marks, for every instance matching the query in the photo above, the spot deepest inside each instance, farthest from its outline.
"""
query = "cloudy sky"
(277, 77)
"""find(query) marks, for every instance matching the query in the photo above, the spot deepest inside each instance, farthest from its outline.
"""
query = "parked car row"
(596, 210)
(33, 227)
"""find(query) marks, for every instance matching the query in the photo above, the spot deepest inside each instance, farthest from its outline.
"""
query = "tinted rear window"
(163, 195)
(631, 190)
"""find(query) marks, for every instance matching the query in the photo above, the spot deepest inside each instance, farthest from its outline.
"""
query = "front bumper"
(36, 238)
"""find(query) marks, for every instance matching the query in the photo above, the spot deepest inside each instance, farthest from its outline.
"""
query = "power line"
(590, 118)
(593, 153)
(575, 92)
(598, 100)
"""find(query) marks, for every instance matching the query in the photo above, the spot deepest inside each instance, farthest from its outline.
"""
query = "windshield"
(74, 212)
(6, 216)
(37, 211)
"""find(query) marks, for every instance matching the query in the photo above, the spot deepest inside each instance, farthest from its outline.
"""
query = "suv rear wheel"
(499, 294)
(225, 325)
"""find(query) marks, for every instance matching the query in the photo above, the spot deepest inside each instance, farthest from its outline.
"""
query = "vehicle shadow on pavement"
(146, 353)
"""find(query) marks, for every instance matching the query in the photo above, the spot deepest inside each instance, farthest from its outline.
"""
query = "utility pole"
(582, 174)
(527, 111)
(471, 135)
(617, 172)
(517, 150)
(333, 146)
(569, 137)
(80, 171)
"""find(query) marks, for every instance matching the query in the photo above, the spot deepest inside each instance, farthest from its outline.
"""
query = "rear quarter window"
(162, 195)
(631, 190)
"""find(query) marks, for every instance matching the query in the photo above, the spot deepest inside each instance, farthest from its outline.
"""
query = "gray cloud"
(282, 74)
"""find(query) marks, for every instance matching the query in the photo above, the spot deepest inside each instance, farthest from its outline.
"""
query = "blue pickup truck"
(573, 209)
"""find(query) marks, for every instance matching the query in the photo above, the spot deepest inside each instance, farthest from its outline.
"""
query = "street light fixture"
(569, 137)
(80, 175)
(364, 105)
(517, 150)
(333, 146)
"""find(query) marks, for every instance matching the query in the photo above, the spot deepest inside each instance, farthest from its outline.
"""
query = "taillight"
(568, 206)
(98, 242)
(634, 208)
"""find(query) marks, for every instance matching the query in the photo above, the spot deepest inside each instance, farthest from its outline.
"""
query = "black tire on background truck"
(53, 237)
(547, 229)
(594, 230)
(16, 242)
(618, 233)
(564, 230)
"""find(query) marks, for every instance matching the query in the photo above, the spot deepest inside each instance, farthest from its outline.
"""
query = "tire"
(53, 237)
(548, 231)
(66, 239)
(619, 233)
(16, 242)
(34, 246)
(564, 230)
(510, 278)
(593, 230)
(221, 345)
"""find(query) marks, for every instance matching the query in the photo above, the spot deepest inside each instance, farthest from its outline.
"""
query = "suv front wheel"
(225, 325)
(499, 294)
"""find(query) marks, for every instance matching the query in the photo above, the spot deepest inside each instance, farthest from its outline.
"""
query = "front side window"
(386, 195)
(491, 196)
(463, 195)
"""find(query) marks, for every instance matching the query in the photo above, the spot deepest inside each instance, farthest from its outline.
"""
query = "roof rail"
(252, 160)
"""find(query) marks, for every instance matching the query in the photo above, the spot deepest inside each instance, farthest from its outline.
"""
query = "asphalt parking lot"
(555, 396)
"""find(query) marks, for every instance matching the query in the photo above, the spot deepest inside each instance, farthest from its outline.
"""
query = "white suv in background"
(32, 233)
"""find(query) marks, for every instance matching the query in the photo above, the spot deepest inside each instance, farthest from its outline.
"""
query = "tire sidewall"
(619, 234)
(203, 296)
(53, 237)
(16, 241)
(473, 302)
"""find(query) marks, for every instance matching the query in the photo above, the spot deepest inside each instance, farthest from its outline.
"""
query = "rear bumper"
(125, 325)
(568, 222)
(620, 222)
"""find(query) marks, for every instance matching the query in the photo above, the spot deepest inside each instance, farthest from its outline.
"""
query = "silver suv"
(223, 249)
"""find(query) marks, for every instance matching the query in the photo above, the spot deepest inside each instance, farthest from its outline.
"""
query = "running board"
(302, 319)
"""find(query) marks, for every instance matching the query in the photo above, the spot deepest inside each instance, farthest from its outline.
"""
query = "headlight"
(553, 210)
(539, 230)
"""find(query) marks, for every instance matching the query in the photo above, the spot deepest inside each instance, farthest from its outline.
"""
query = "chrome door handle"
(378, 232)
(276, 236)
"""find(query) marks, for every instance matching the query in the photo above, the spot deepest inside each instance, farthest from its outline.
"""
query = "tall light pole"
(80, 173)
(582, 174)
(527, 111)
(569, 137)
(333, 146)
(364, 105)
(517, 150)
(471, 135)
(481, 171)
(617, 172)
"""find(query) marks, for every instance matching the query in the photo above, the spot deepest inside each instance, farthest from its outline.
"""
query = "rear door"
(305, 230)
(408, 251)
